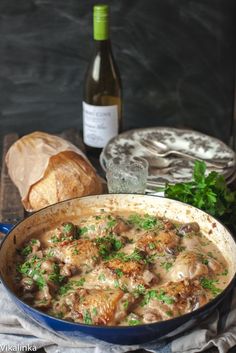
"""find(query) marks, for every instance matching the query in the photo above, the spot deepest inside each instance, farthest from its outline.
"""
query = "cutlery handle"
(215, 163)
(209, 163)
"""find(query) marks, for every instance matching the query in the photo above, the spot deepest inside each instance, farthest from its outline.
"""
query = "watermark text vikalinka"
(17, 348)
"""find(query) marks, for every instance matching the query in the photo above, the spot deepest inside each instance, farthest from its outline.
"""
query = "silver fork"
(159, 149)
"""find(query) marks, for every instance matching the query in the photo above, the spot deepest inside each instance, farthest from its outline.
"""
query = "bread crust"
(68, 175)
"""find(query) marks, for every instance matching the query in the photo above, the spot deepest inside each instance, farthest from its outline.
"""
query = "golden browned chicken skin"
(81, 253)
(101, 307)
(162, 241)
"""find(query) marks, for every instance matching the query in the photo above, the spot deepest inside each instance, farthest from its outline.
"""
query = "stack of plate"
(172, 168)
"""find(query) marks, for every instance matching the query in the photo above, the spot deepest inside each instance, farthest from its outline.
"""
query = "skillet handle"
(5, 227)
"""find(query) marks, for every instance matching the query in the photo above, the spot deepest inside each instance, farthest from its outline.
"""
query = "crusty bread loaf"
(67, 175)
(47, 169)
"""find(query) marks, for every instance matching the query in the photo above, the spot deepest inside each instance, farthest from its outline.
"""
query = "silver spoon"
(161, 150)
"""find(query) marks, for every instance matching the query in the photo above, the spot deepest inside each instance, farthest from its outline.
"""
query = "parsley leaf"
(32, 269)
(145, 222)
(87, 317)
(161, 296)
(68, 227)
(71, 285)
(108, 244)
(134, 322)
(209, 284)
(26, 250)
(166, 265)
(207, 192)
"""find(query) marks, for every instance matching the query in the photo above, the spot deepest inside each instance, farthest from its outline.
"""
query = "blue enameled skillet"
(70, 210)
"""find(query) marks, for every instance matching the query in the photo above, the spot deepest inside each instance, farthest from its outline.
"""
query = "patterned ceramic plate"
(170, 169)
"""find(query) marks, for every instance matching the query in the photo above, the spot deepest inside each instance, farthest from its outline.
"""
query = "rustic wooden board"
(11, 209)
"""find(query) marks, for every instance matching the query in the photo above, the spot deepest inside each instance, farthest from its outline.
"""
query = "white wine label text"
(100, 124)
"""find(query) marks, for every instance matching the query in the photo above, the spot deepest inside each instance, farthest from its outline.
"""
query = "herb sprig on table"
(207, 192)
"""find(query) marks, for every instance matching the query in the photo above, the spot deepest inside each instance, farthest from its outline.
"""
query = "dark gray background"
(176, 59)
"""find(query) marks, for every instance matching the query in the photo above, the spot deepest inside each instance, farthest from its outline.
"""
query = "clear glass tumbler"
(127, 176)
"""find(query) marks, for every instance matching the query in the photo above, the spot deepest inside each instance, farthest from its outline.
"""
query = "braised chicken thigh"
(82, 254)
(171, 300)
(190, 264)
(95, 305)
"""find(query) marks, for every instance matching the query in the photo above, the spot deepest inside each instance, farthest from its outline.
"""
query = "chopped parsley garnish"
(102, 277)
(119, 272)
(152, 246)
(209, 284)
(108, 244)
(64, 289)
(180, 248)
(134, 322)
(40, 281)
(145, 222)
(134, 256)
(116, 283)
(55, 239)
(26, 250)
(149, 259)
(203, 259)
(49, 253)
(124, 288)
(75, 251)
(166, 265)
(224, 273)
(83, 230)
(140, 289)
(117, 244)
(161, 296)
(111, 222)
(71, 285)
(126, 304)
(80, 282)
(169, 313)
(68, 227)
(55, 276)
(103, 251)
(95, 311)
(210, 254)
(87, 317)
(32, 269)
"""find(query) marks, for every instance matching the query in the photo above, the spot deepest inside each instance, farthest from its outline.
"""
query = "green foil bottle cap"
(101, 22)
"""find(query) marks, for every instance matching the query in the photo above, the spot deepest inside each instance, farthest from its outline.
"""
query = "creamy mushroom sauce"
(120, 269)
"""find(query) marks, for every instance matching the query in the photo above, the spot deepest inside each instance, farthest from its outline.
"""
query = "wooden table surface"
(11, 209)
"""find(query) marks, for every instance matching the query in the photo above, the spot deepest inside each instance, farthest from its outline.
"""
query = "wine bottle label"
(100, 124)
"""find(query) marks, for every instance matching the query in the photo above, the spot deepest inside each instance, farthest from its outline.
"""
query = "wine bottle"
(102, 88)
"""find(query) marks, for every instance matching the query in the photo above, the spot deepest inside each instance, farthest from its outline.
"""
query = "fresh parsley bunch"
(207, 192)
